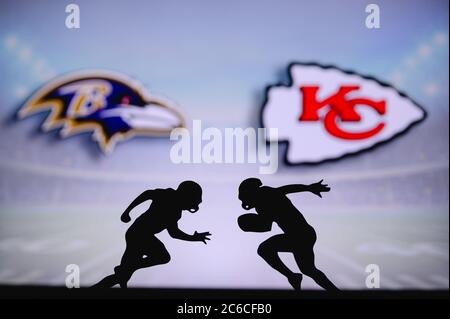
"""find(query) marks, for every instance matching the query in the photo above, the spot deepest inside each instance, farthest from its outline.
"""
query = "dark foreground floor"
(42, 292)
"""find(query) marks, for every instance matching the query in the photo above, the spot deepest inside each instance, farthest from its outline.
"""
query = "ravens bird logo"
(111, 105)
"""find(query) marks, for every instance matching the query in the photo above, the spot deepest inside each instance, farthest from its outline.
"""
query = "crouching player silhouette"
(143, 248)
(272, 205)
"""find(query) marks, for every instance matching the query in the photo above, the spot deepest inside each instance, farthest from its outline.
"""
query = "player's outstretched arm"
(294, 188)
(254, 223)
(315, 188)
(177, 233)
(145, 196)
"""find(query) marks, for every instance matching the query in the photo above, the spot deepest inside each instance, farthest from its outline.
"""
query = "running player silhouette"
(272, 205)
(143, 248)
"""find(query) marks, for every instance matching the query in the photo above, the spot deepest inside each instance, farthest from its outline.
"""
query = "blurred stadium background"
(60, 200)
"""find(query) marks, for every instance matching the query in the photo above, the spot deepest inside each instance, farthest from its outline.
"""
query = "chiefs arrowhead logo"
(327, 113)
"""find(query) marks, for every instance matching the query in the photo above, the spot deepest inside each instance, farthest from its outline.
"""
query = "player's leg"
(122, 273)
(269, 250)
(107, 282)
(134, 259)
(128, 264)
(304, 256)
(155, 253)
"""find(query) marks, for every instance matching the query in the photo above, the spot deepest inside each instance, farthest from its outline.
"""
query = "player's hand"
(125, 217)
(318, 188)
(203, 237)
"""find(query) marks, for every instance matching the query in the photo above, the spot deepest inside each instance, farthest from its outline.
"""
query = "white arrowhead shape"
(309, 141)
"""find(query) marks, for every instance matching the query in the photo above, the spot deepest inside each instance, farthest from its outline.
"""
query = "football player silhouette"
(143, 248)
(272, 205)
